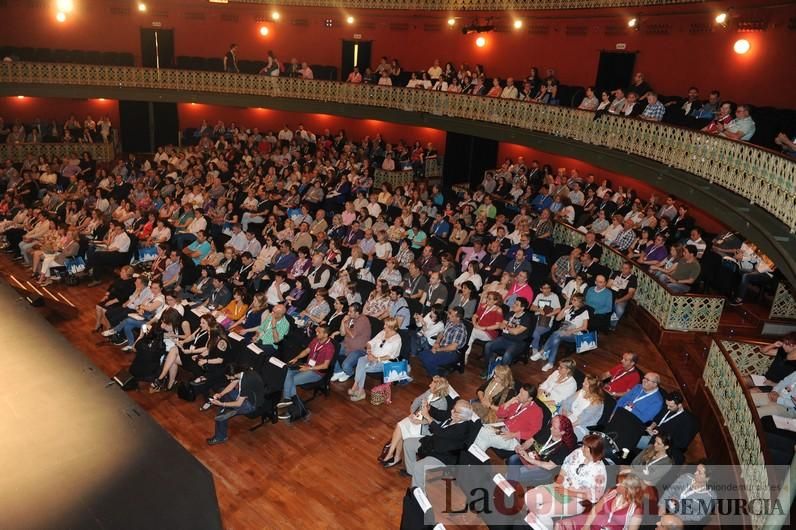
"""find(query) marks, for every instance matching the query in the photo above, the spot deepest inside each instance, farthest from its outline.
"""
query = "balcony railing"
(723, 379)
(763, 177)
(675, 312)
(468, 5)
(98, 151)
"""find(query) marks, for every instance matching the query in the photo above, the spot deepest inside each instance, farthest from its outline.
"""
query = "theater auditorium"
(414, 264)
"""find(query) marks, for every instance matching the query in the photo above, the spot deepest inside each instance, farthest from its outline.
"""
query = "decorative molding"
(468, 5)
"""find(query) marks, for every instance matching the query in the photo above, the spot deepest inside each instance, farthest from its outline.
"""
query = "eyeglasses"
(648, 380)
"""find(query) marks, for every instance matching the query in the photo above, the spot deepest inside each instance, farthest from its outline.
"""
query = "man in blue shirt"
(199, 248)
(542, 200)
(644, 400)
(601, 301)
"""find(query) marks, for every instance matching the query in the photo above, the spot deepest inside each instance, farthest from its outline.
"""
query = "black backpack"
(148, 352)
(297, 409)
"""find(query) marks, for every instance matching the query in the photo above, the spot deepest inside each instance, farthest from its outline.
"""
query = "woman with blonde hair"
(437, 401)
(619, 509)
(585, 407)
(384, 347)
(493, 393)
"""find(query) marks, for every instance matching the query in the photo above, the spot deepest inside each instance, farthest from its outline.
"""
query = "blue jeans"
(433, 361)
(550, 350)
(753, 278)
(619, 311)
(128, 325)
(678, 287)
(182, 240)
(349, 363)
(224, 415)
(365, 367)
(294, 378)
(538, 333)
(417, 343)
(527, 476)
(503, 346)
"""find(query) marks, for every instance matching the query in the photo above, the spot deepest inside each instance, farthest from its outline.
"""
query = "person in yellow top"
(234, 310)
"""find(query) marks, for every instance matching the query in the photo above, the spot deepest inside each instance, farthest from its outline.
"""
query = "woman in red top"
(486, 321)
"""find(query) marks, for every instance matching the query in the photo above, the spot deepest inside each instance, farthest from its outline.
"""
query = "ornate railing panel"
(722, 381)
(467, 5)
(676, 312)
(747, 356)
(101, 152)
(784, 304)
(763, 177)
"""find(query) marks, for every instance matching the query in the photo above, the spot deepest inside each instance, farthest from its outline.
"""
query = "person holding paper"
(538, 459)
(243, 394)
(783, 364)
(522, 419)
(582, 478)
(139, 317)
(319, 355)
(443, 444)
(781, 401)
(385, 346)
(273, 328)
(435, 403)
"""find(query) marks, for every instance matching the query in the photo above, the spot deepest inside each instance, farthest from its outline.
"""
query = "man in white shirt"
(238, 239)
(435, 71)
(756, 267)
(741, 128)
(116, 253)
(510, 91)
(197, 224)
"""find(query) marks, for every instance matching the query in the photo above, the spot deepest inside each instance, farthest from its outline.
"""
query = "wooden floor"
(323, 472)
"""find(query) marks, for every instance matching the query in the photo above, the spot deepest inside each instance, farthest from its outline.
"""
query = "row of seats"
(49, 55)
(216, 64)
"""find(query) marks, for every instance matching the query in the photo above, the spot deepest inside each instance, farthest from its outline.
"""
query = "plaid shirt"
(624, 240)
(655, 111)
(454, 334)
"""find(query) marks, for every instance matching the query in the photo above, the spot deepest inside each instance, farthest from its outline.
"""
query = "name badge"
(311, 362)
(629, 407)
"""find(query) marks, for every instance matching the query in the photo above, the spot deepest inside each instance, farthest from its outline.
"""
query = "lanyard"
(549, 445)
(643, 396)
(317, 347)
(620, 376)
(646, 468)
(667, 418)
(691, 491)
(519, 410)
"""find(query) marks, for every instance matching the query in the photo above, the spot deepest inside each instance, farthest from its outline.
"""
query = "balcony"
(749, 188)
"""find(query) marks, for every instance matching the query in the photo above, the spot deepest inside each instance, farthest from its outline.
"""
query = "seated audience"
(538, 459)
(521, 417)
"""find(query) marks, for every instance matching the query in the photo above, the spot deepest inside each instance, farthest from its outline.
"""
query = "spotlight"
(350, 20)
(60, 17)
(480, 42)
(721, 19)
(264, 31)
(741, 46)
(633, 23)
(518, 24)
(20, 97)
(451, 22)
(64, 6)
(275, 15)
(142, 7)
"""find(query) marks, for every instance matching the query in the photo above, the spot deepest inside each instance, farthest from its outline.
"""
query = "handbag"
(585, 341)
(75, 265)
(381, 394)
(186, 391)
(395, 371)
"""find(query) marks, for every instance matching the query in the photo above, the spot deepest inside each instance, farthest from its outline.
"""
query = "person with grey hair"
(443, 444)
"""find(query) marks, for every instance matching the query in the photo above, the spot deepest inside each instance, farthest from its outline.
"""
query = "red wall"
(192, 114)
(507, 150)
(682, 55)
(27, 108)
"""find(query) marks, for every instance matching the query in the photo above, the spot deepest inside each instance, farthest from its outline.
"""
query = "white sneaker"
(336, 376)
(343, 378)
(127, 348)
(547, 367)
(536, 355)
(108, 333)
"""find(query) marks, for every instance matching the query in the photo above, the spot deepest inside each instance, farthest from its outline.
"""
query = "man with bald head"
(644, 400)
